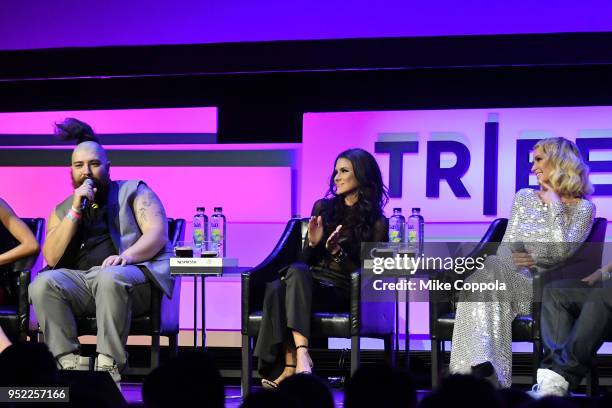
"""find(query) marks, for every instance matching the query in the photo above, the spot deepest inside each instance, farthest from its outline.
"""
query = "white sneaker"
(549, 384)
(110, 367)
(74, 362)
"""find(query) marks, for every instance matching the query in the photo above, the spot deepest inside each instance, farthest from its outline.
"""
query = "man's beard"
(100, 184)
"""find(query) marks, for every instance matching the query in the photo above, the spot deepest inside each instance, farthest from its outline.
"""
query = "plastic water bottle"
(396, 226)
(217, 230)
(200, 228)
(415, 226)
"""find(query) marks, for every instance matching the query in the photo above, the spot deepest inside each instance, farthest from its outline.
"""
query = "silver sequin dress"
(483, 329)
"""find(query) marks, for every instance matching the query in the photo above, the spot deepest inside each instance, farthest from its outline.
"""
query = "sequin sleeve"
(511, 234)
(569, 228)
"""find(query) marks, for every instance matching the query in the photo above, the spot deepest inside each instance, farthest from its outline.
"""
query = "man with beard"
(102, 258)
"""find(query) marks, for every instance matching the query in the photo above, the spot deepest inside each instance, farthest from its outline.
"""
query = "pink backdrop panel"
(163, 120)
(245, 193)
(327, 134)
(222, 303)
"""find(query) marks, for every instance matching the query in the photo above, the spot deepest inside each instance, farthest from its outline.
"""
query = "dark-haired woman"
(349, 215)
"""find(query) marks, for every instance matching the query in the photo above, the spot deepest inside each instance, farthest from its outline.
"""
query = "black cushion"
(322, 324)
(140, 326)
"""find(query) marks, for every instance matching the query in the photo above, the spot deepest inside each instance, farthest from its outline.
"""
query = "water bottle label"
(412, 235)
(216, 235)
(198, 237)
(394, 236)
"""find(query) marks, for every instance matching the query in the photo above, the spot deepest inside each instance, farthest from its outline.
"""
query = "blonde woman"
(546, 226)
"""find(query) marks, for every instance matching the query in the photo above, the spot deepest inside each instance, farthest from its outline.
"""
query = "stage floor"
(132, 394)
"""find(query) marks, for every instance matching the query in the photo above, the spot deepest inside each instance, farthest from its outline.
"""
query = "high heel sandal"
(270, 384)
(309, 360)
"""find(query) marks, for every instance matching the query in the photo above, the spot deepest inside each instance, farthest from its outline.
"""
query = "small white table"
(202, 267)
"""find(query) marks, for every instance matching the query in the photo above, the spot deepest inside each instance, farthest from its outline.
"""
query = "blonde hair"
(569, 175)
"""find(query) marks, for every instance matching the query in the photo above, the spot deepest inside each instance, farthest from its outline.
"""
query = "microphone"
(85, 202)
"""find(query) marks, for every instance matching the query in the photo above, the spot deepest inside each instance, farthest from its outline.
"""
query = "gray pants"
(111, 294)
(576, 318)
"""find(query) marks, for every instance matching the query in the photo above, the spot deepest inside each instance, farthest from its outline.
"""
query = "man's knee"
(42, 284)
(555, 291)
(109, 279)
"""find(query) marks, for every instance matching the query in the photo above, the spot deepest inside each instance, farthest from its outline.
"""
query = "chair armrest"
(538, 290)
(23, 305)
(440, 303)
(355, 303)
(369, 317)
(254, 280)
(155, 308)
(170, 309)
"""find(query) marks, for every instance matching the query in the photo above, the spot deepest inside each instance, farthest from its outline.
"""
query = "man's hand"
(523, 259)
(115, 260)
(594, 278)
(84, 190)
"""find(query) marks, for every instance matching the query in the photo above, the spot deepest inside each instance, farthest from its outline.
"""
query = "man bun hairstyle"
(74, 129)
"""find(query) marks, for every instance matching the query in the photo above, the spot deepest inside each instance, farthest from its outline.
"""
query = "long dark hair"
(372, 195)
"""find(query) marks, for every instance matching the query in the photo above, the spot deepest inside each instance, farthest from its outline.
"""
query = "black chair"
(163, 317)
(524, 328)
(15, 312)
(375, 320)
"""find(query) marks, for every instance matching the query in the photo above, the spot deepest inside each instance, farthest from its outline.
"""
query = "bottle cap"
(218, 209)
(200, 209)
(397, 209)
(416, 209)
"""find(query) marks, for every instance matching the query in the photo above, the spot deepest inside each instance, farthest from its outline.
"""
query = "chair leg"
(355, 354)
(390, 357)
(537, 360)
(592, 382)
(247, 366)
(435, 362)
(154, 351)
(173, 346)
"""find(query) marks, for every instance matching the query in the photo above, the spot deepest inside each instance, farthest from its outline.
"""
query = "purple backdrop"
(258, 200)
(66, 23)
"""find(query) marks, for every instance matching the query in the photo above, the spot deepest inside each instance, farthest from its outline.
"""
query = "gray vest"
(125, 232)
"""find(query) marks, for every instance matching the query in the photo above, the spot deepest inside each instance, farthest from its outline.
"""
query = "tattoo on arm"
(142, 215)
(148, 208)
(148, 198)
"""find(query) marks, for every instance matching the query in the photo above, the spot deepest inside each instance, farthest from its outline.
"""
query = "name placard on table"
(200, 266)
